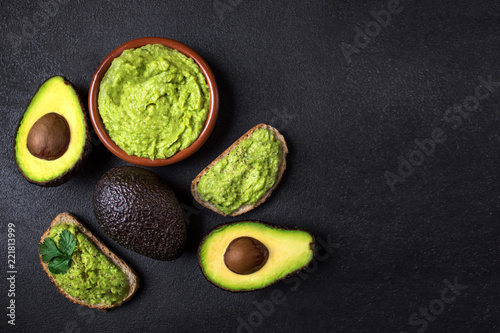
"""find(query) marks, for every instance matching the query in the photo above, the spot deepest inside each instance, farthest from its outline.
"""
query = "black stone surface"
(393, 253)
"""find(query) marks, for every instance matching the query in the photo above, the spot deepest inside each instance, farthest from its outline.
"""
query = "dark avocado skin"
(312, 246)
(85, 153)
(139, 211)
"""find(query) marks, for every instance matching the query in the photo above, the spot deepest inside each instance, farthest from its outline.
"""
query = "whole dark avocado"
(139, 211)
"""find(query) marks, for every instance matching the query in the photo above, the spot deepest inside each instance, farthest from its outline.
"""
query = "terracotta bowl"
(96, 120)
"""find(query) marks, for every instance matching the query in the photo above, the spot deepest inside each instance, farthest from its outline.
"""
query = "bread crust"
(132, 277)
(244, 208)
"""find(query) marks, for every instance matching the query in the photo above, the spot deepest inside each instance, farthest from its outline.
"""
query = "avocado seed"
(245, 255)
(49, 137)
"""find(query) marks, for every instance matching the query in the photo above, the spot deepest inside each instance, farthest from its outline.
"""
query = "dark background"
(346, 124)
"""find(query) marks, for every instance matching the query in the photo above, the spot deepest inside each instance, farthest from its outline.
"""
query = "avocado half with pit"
(52, 136)
(250, 255)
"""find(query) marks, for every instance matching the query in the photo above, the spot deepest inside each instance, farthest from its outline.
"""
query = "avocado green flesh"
(91, 277)
(153, 101)
(245, 174)
(58, 96)
(289, 250)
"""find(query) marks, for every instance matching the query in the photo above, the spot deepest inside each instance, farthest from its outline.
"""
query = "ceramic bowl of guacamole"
(153, 101)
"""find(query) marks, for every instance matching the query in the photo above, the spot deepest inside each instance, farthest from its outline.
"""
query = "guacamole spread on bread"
(91, 276)
(243, 175)
(153, 101)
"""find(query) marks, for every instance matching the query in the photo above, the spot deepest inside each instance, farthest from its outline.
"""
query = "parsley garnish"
(58, 259)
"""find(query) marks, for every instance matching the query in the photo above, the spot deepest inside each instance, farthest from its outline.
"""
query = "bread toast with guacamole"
(86, 270)
(247, 174)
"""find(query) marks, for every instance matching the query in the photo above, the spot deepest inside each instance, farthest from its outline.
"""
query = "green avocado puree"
(91, 276)
(245, 174)
(153, 101)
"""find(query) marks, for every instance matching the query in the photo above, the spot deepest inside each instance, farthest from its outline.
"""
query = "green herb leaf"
(67, 243)
(59, 265)
(48, 250)
(58, 259)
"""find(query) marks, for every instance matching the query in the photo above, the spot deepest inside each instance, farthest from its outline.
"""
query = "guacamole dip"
(91, 276)
(153, 101)
(245, 174)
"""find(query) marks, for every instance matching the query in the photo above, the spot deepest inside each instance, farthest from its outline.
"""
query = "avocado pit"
(245, 255)
(49, 137)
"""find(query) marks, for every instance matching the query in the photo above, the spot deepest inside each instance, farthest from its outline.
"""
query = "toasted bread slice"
(244, 208)
(133, 279)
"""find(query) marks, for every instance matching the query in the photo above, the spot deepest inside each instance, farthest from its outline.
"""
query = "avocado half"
(52, 137)
(288, 251)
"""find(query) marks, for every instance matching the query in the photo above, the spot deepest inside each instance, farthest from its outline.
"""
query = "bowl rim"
(98, 125)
